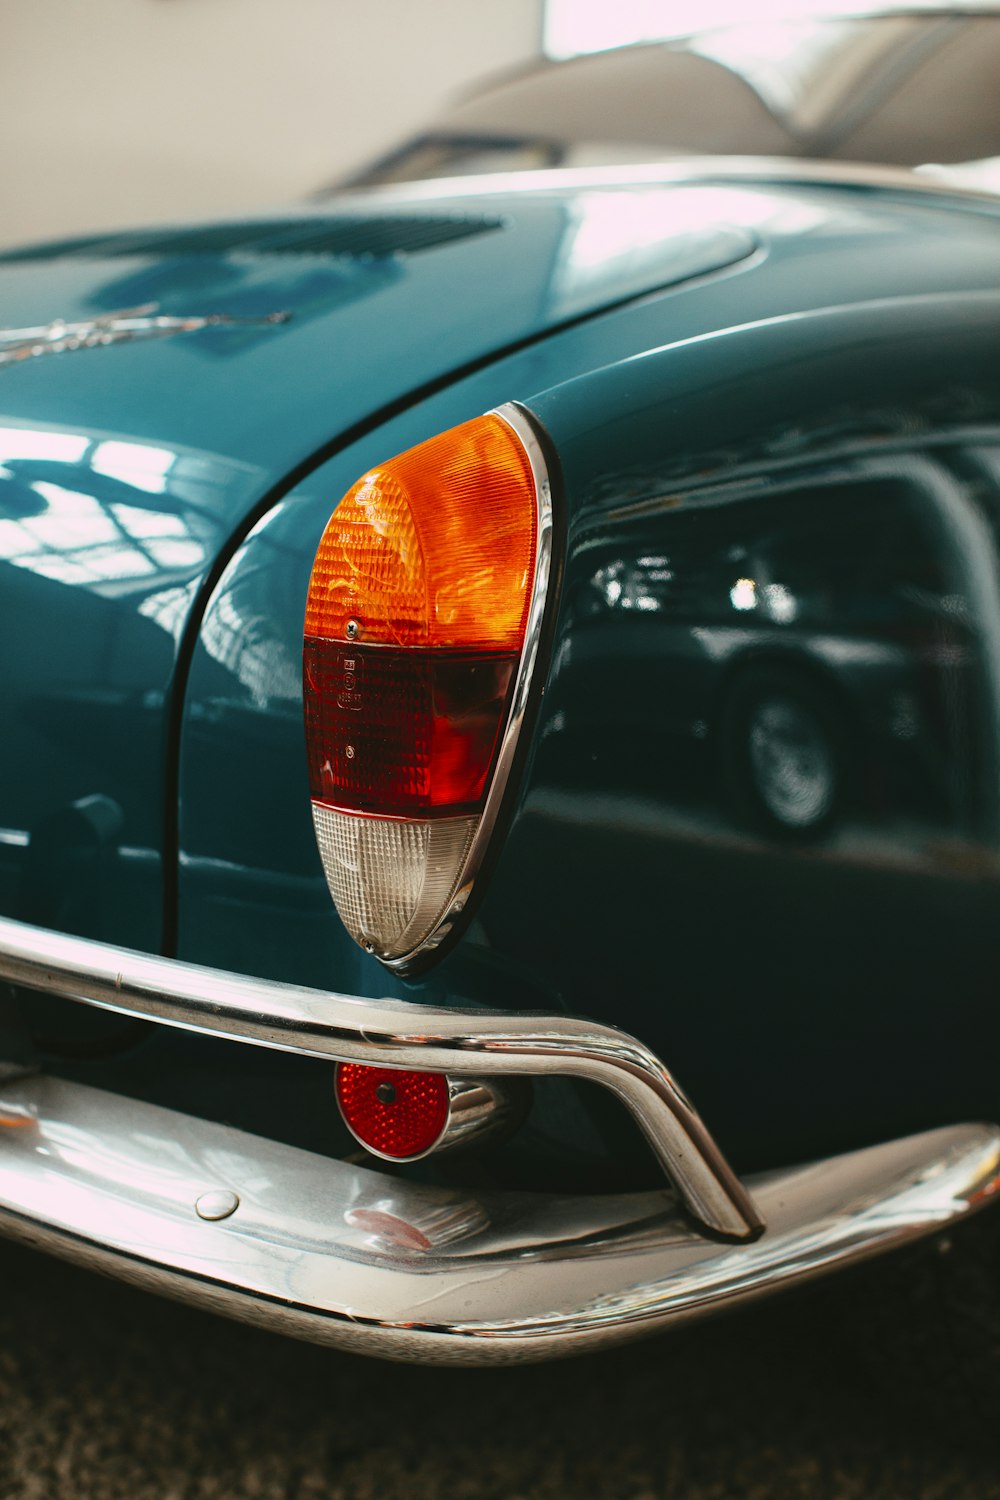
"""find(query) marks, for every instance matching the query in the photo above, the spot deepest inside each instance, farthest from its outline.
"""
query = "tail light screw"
(351, 629)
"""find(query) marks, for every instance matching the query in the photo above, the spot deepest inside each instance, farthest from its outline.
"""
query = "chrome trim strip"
(354, 1258)
(146, 322)
(520, 424)
(393, 1033)
(763, 171)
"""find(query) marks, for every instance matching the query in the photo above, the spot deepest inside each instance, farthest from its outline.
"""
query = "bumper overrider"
(350, 1256)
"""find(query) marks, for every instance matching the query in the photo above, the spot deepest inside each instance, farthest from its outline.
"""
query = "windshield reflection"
(104, 514)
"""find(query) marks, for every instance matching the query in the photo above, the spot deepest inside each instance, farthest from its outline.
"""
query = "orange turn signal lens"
(435, 548)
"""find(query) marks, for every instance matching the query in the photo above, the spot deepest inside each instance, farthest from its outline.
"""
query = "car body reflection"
(820, 652)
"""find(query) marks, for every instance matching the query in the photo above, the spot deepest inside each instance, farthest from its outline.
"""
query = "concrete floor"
(107, 1392)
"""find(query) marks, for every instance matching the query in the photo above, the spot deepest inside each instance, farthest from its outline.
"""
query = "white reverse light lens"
(391, 879)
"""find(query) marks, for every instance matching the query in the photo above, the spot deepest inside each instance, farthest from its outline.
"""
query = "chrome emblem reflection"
(146, 322)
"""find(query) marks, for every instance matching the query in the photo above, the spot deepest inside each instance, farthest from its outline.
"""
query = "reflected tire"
(784, 754)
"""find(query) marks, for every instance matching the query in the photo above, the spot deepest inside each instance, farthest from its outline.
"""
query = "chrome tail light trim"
(395, 1033)
(518, 420)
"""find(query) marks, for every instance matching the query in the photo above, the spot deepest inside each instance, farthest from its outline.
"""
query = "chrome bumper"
(394, 1033)
(354, 1257)
(346, 1256)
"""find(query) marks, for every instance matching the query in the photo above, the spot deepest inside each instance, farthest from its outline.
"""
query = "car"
(489, 662)
(907, 85)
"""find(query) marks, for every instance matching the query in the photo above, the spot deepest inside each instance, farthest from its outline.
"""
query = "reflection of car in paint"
(808, 642)
(677, 507)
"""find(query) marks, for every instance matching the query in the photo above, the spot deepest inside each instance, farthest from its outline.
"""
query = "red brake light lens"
(393, 1112)
(402, 732)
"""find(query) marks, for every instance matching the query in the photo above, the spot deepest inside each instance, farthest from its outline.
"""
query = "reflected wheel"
(783, 748)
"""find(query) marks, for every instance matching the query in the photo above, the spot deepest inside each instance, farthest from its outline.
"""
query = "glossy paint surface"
(769, 760)
(102, 543)
(127, 468)
(620, 820)
(575, 914)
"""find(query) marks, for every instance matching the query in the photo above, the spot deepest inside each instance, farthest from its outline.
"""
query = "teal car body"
(723, 364)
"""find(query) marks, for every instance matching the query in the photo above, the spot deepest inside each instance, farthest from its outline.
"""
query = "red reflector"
(402, 732)
(393, 1112)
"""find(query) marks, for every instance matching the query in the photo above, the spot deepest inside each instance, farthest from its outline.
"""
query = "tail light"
(422, 623)
(403, 1115)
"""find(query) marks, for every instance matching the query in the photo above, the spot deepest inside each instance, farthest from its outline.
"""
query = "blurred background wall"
(122, 112)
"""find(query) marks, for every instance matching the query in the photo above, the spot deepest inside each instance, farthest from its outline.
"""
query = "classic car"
(487, 663)
(911, 84)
